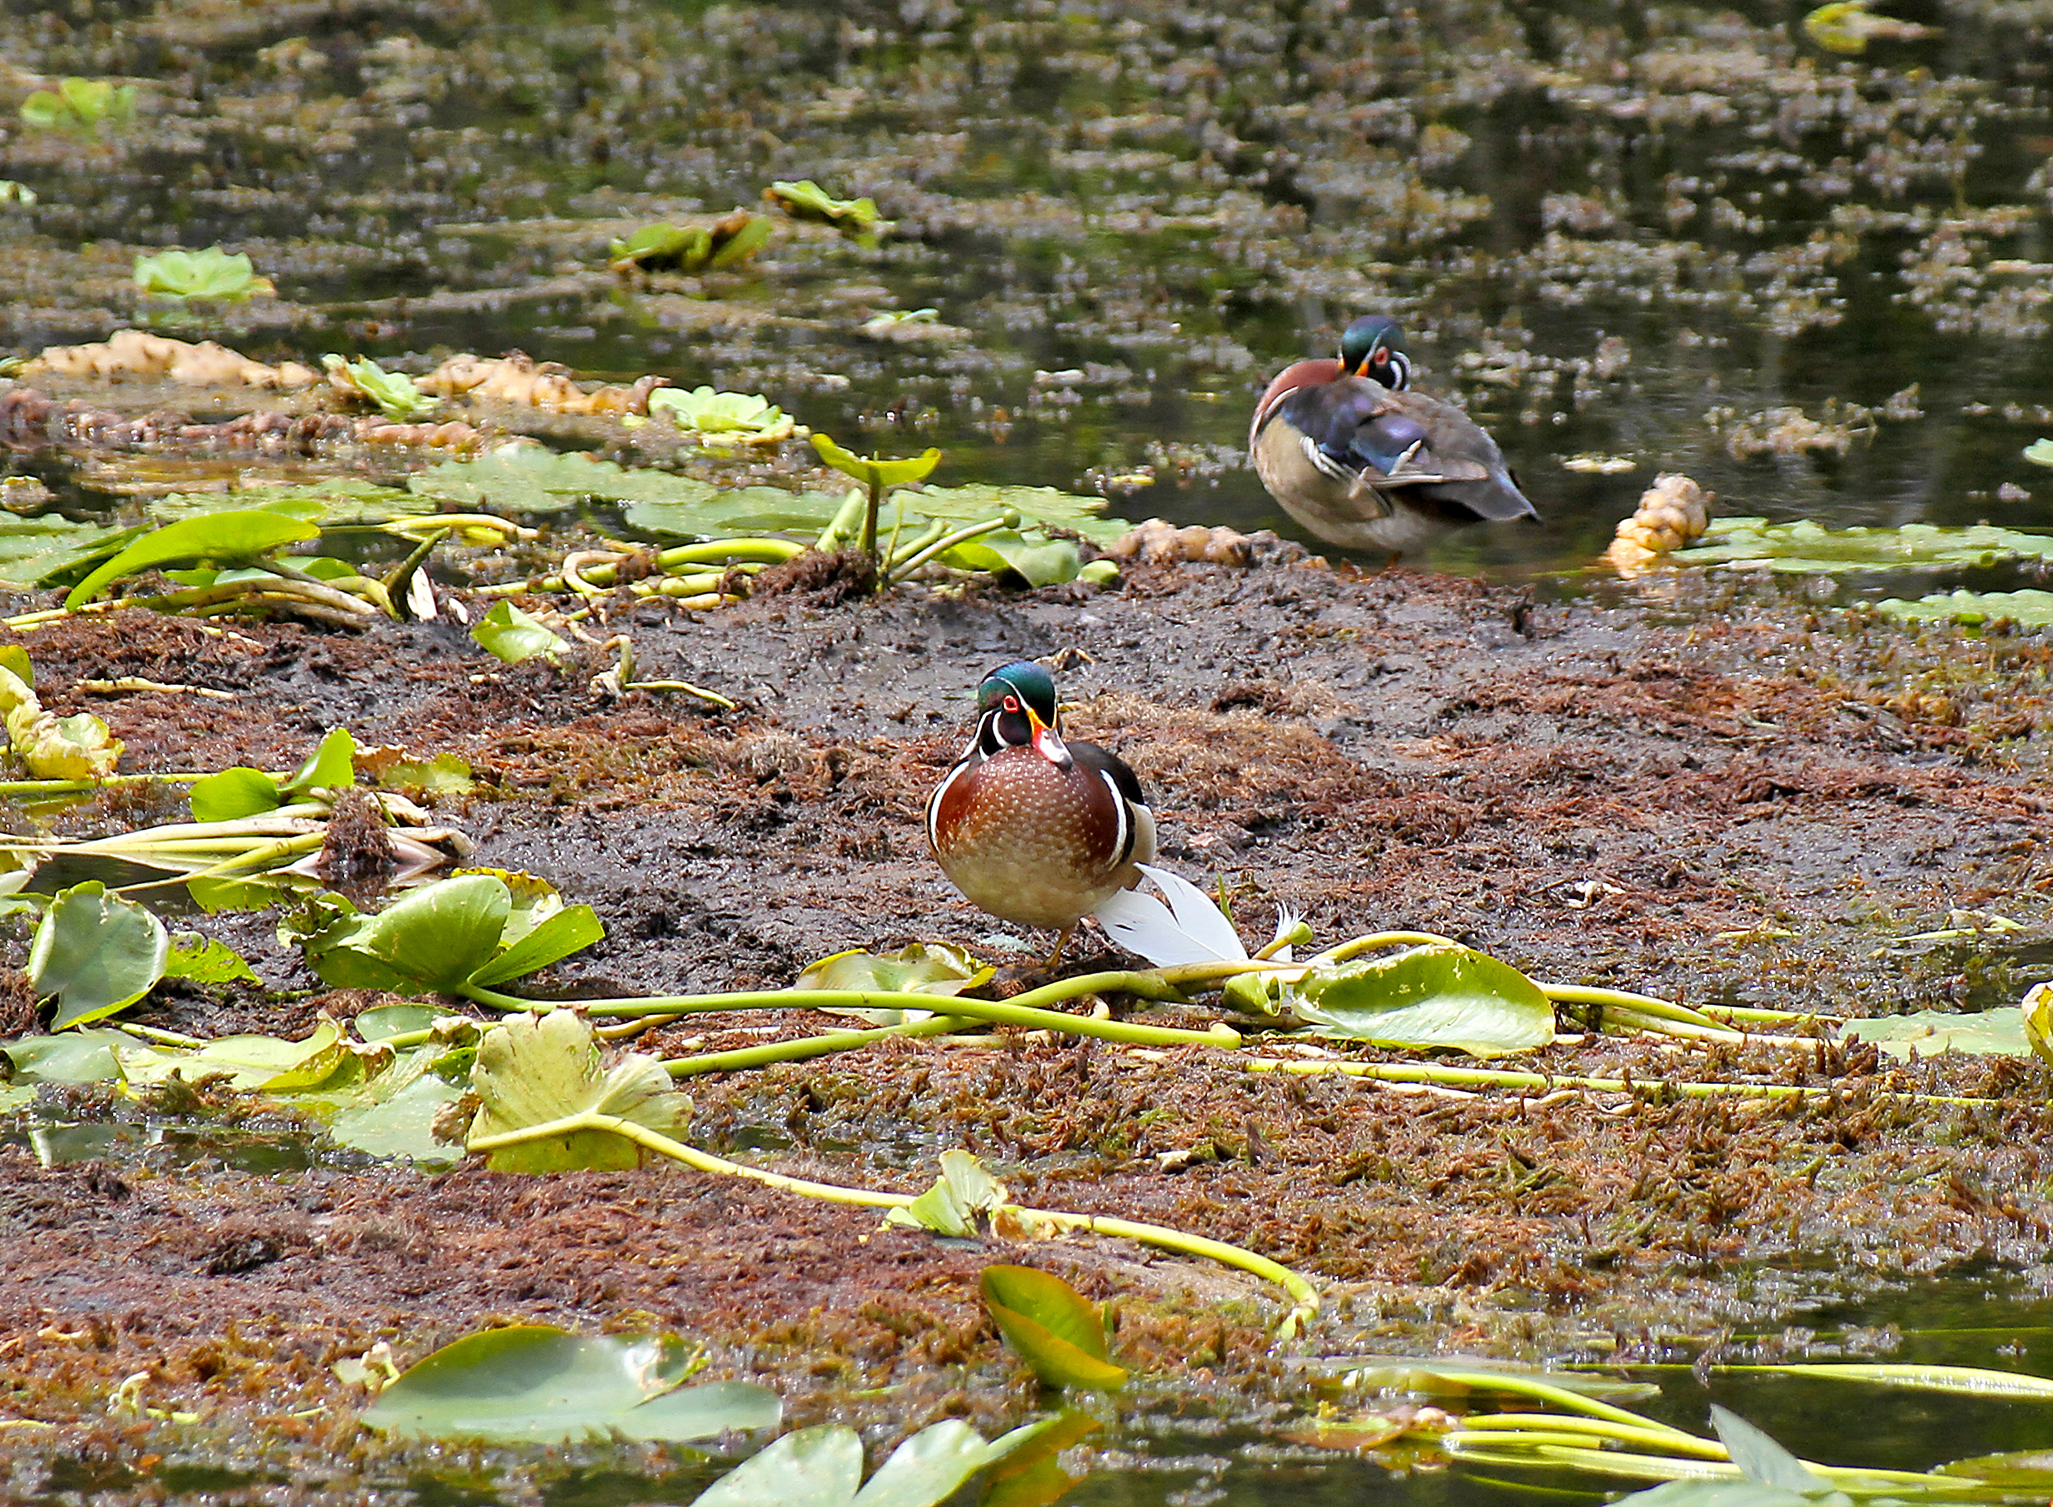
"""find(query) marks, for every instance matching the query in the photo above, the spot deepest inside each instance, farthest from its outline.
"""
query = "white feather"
(1189, 929)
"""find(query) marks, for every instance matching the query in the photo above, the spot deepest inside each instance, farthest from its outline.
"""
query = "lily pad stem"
(1301, 1290)
(1547, 1083)
(1379, 939)
(949, 541)
(743, 1058)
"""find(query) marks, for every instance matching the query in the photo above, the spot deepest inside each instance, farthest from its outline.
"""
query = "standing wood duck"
(1030, 828)
(1364, 463)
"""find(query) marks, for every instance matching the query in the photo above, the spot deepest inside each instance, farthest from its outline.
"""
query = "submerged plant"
(209, 274)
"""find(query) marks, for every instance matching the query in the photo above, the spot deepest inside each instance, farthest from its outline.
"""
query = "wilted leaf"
(96, 953)
(963, 1192)
(1052, 1326)
(1438, 996)
(511, 635)
(534, 1069)
(1847, 26)
(806, 200)
(249, 1063)
(534, 1384)
(236, 536)
(394, 393)
(2036, 1013)
(445, 774)
(918, 967)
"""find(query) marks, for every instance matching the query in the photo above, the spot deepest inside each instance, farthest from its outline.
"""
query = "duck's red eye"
(1382, 358)
(1012, 703)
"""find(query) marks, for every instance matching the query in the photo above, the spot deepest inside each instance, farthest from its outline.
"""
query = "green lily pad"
(96, 952)
(1437, 996)
(524, 477)
(34, 550)
(1070, 510)
(208, 274)
(1973, 609)
(231, 794)
(331, 766)
(534, 1069)
(234, 536)
(723, 515)
(81, 1056)
(434, 937)
(874, 471)
(1985, 1033)
(534, 1384)
(2039, 452)
(269, 1064)
(806, 200)
(205, 960)
(79, 104)
(1053, 1327)
(332, 502)
(511, 635)
(721, 415)
(401, 1123)
(1806, 548)
(1038, 561)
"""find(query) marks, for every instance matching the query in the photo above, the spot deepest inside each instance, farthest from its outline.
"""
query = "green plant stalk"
(897, 556)
(690, 585)
(73, 787)
(945, 543)
(1477, 1077)
(742, 1059)
(1644, 1004)
(1497, 1449)
(1305, 1295)
(844, 520)
(727, 552)
(1583, 1428)
(869, 539)
(160, 1037)
(1575, 1404)
(1379, 939)
(1006, 1014)
(1966, 1381)
(1766, 1016)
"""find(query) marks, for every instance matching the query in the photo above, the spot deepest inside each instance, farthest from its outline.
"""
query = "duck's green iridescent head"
(1016, 705)
(1029, 686)
(1373, 347)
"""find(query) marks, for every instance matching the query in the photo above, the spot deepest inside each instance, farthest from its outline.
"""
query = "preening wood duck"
(1363, 462)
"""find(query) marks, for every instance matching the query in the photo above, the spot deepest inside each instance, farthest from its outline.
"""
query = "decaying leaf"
(534, 1069)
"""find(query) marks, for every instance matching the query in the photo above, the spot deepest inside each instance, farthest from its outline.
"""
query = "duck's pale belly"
(1351, 515)
(1036, 846)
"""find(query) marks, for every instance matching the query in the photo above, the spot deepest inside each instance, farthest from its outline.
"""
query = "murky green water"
(1619, 235)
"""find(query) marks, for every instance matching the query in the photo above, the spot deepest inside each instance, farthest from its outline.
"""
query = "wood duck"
(1364, 463)
(1030, 828)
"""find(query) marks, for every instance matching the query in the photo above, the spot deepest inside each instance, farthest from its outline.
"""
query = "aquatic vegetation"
(12, 192)
(536, 1384)
(2039, 452)
(211, 274)
(1808, 549)
(2028, 608)
(541, 1070)
(1053, 1327)
(822, 1466)
(395, 393)
(727, 242)
(1672, 513)
(527, 383)
(722, 418)
(80, 104)
(877, 476)
(511, 635)
(140, 353)
(806, 200)
(50, 747)
(95, 953)
(1847, 26)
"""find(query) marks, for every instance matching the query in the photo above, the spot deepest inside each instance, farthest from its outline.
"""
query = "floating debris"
(1672, 512)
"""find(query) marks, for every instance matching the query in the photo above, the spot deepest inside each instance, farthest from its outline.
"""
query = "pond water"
(1645, 237)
